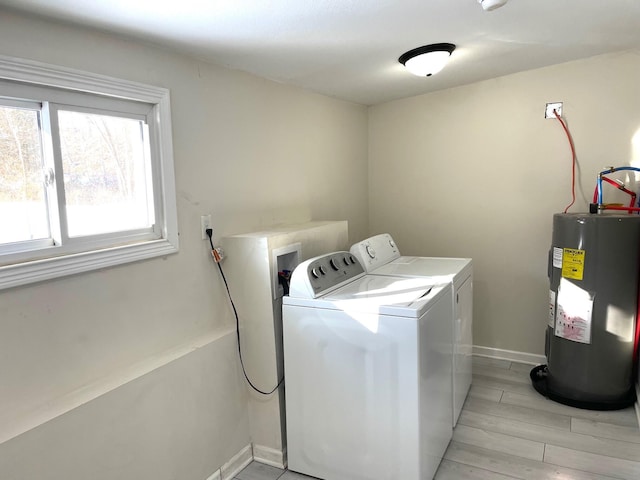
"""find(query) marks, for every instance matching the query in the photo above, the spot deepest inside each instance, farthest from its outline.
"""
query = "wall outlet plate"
(205, 222)
(548, 111)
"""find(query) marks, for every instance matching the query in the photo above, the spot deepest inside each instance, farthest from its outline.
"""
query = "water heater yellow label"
(572, 263)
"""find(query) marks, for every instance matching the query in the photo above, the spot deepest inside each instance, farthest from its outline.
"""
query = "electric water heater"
(593, 304)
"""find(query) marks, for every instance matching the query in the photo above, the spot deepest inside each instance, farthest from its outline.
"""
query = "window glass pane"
(23, 207)
(107, 178)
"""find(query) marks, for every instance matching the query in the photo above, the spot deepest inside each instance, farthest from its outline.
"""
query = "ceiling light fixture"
(488, 5)
(427, 60)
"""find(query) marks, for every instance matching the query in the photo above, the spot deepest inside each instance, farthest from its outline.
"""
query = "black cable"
(235, 312)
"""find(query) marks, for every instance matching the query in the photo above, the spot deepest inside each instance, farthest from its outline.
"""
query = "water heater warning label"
(573, 327)
(573, 314)
(572, 263)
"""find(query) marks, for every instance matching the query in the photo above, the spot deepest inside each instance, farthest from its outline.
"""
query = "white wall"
(477, 171)
(473, 171)
(250, 152)
(183, 420)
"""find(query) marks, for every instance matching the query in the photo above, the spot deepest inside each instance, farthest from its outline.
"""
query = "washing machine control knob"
(370, 251)
(392, 243)
(334, 264)
(323, 271)
(315, 273)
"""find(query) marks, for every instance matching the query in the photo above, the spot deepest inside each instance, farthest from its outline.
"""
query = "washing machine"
(367, 372)
(379, 255)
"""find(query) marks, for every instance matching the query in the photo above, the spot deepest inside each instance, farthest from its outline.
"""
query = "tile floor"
(508, 431)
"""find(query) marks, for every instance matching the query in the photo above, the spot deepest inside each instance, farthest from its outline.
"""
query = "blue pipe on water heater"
(611, 170)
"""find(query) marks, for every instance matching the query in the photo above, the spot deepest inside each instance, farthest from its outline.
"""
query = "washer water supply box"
(256, 264)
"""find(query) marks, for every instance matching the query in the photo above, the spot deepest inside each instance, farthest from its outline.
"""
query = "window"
(86, 172)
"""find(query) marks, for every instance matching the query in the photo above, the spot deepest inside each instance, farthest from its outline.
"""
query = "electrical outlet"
(548, 111)
(205, 222)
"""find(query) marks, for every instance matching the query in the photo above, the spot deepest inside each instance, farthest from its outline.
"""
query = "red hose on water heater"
(573, 160)
(632, 201)
(615, 207)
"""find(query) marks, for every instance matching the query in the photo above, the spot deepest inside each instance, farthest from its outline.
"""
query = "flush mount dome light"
(488, 5)
(427, 60)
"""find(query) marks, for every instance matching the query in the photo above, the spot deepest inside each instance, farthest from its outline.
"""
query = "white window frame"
(35, 268)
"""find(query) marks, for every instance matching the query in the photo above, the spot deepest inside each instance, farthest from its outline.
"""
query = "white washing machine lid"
(377, 294)
(437, 269)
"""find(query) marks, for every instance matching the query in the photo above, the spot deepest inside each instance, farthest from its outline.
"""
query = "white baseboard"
(244, 457)
(513, 356)
(235, 465)
(215, 475)
(269, 456)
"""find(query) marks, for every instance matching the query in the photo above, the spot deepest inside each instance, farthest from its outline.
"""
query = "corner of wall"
(637, 405)
(270, 456)
(234, 466)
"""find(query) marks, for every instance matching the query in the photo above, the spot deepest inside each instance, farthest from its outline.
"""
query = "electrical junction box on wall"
(550, 107)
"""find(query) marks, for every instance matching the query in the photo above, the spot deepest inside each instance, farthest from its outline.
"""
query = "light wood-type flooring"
(508, 431)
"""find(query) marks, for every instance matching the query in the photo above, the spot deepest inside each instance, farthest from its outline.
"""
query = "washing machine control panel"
(376, 251)
(323, 274)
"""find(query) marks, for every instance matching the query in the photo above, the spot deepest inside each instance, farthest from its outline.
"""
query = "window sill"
(54, 267)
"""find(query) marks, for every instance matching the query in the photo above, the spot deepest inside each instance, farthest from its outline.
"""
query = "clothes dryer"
(368, 372)
(379, 255)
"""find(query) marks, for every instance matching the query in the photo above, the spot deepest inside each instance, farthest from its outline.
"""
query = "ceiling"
(349, 48)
